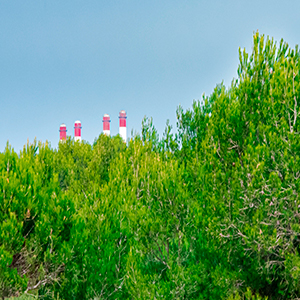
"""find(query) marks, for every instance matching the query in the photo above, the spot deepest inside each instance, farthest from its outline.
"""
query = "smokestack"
(106, 124)
(122, 128)
(62, 132)
(77, 131)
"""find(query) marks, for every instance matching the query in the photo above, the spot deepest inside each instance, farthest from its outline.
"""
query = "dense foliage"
(208, 212)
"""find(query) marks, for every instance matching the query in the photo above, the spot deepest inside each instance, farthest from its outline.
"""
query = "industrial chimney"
(122, 128)
(77, 131)
(62, 132)
(106, 124)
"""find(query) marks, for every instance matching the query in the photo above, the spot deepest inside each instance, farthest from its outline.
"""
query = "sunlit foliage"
(210, 211)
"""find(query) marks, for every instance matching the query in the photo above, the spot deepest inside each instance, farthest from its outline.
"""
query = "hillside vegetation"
(209, 212)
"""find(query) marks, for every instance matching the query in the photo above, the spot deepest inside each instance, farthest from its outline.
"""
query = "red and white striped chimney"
(122, 128)
(106, 124)
(77, 131)
(62, 132)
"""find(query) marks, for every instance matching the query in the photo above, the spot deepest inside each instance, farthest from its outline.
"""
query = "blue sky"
(66, 60)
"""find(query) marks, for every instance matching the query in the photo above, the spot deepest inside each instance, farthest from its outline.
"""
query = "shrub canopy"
(208, 212)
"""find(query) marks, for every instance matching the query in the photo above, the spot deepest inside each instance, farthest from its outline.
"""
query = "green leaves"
(208, 212)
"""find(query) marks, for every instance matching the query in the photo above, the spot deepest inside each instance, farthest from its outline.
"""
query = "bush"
(210, 212)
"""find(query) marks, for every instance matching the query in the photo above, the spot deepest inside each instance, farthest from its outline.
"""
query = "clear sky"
(66, 60)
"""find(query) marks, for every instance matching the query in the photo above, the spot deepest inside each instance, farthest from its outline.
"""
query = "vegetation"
(208, 212)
